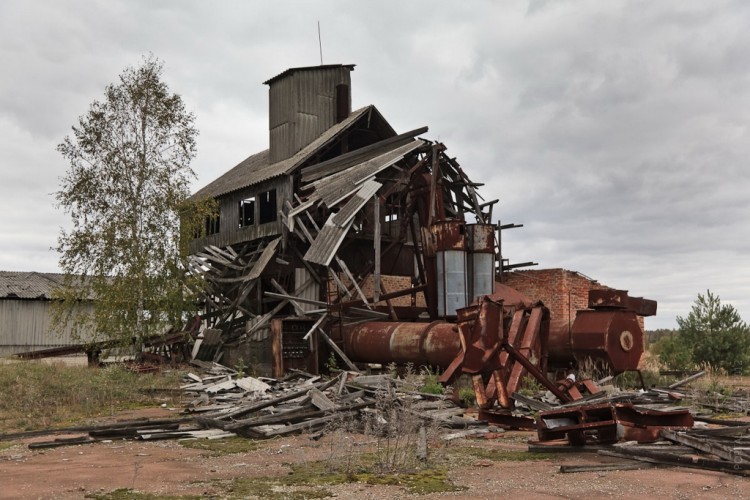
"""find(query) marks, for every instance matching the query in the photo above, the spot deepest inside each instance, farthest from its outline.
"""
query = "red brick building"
(562, 291)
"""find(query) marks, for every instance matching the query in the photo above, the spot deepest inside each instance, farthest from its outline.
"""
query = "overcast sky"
(616, 132)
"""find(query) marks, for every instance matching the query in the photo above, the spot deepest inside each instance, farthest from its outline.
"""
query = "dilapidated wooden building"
(341, 220)
(347, 239)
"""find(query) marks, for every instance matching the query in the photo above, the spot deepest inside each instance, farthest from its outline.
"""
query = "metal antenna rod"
(320, 45)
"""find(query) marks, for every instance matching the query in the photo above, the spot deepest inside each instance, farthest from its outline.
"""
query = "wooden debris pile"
(651, 430)
(725, 449)
(301, 402)
(224, 403)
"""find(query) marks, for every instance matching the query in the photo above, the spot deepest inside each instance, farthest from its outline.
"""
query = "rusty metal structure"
(347, 239)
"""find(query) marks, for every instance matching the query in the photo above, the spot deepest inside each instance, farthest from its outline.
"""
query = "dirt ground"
(170, 469)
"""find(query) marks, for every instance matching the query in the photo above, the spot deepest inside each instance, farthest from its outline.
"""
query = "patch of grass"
(433, 480)
(40, 396)
(631, 380)
(499, 455)
(309, 481)
(272, 489)
(218, 447)
(128, 494)
(4, 445)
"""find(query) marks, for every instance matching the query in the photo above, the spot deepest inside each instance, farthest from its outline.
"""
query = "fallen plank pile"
(225, 404)
(725, 449)
(300, 402)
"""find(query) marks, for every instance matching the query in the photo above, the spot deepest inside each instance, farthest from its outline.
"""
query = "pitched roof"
(255, 168)
(28, 285)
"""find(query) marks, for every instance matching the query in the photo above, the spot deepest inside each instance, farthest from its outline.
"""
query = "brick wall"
(562, 291)
(391, 283)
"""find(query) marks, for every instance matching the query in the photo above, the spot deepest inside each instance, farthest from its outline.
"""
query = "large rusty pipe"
(433, 344)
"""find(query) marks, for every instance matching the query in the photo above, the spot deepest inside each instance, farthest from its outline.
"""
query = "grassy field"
(39, 396)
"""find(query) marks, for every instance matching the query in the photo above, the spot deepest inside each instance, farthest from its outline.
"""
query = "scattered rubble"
(643, 427)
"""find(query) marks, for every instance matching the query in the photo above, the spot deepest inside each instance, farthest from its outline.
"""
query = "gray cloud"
(617, 132)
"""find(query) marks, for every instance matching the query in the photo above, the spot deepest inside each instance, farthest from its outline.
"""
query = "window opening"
(212, 225)
(267, 207)
(247, 212)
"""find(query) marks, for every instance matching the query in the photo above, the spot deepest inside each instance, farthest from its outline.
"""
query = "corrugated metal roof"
(262, 262)
(28, 285)
(356, 202)
(335, 188)
(255, 169)
(327, 243)
(338, 224)
(289, 71)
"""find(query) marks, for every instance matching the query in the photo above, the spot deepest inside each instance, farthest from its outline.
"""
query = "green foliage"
(716, 335)
(430, 384)
(530, 386)
(675, 353)
(467, 396)
(125, 191)
(332, 363)
(654, 336)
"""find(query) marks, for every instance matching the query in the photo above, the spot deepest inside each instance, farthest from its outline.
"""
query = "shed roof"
(256, 169)
(28, 285)
(290, 71)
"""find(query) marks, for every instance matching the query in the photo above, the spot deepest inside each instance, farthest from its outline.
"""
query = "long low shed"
(25, 312)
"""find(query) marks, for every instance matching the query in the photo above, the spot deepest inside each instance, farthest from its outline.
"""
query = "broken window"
(392, 206)
(267, 206)
(212, 224)
(247, 212)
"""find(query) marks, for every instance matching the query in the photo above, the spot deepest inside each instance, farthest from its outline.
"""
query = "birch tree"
(126, 186)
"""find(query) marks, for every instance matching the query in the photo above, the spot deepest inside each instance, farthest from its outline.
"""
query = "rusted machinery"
(502, 337)
(608, 333)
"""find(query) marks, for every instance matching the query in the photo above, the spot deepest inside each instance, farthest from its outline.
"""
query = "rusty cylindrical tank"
(434, 344)
(480, 240)
(612, 337)
(450, 254)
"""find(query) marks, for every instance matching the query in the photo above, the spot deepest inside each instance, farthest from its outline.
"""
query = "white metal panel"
(311, 292)
(26, 325)
(452, 290)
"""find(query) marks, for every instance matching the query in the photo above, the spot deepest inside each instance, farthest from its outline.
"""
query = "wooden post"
(338, 351)
(376, 243)
(276, 353)
(433, 184)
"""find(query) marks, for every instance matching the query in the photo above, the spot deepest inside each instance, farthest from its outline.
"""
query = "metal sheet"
(31, 285)
(331, 190)
(355, 204)
(311, 292)
(452, 289)
(26, 325)
(327, 242)
(263, 260)
(482, 274)
(619, 299)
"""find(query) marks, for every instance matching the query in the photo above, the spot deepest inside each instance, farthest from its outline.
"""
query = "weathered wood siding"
(302, 106)
(25, 326)
(230, 233)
